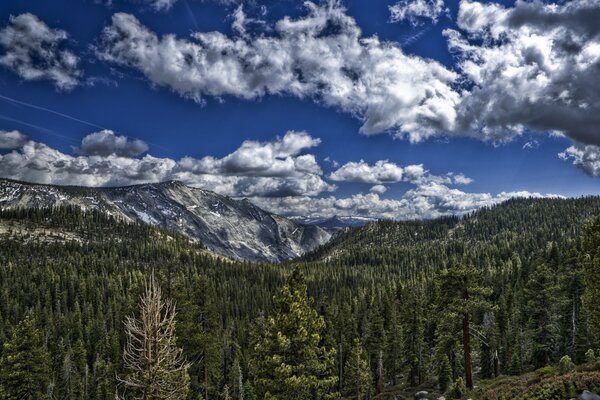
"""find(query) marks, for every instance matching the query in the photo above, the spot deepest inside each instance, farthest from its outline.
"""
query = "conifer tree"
(540, 293)
(357, 380)
(591, 271)
(462, 294)
(444, 373)
(198, 330)
(25, 364)
(289, 359)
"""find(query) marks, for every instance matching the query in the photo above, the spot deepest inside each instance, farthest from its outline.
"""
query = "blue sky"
(122, 98)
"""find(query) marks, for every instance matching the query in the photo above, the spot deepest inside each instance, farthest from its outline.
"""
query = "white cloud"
(11, 139)
(276, 168)
(322, 55)
(415, 11)
(33, 51)
(429, 200)
(384, 171)
(533, 66)
(586, 157)
(160, 5)
(379, 189)
(277, 175)
(105, 143)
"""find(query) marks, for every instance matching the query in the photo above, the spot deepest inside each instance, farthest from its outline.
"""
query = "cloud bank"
(322, 56)
(279, 175)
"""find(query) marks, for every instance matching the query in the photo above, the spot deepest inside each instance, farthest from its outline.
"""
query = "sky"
(395, 109)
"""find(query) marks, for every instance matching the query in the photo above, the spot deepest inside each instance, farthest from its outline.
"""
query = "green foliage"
(376, 283)
(25, 364)
(444, 373)
(289, 357)
(458, 389)
(591, 269)
(566, 365)
(590, 356)
(357, 373)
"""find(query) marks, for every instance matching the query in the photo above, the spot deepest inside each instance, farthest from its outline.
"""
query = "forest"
(498, 304)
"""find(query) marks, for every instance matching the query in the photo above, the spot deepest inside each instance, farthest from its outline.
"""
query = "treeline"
(504, 291)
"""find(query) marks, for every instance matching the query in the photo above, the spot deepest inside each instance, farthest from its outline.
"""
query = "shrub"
(566, 365)
(590, 357)
(458, 389)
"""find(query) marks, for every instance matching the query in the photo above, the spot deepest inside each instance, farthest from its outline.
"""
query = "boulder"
(422, 395)
(587, 395)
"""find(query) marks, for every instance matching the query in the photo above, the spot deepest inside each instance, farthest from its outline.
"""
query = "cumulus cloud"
(586, 157)
(429, 200)
(379, 189)
(106, 143)
(415, 11)
(278, 175)
(275, 168)
(33, 50)
(533, 66)
(322, 55)
(12, 139)
(384, 171)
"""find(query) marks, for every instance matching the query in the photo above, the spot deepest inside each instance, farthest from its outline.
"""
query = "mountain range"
(232, 228)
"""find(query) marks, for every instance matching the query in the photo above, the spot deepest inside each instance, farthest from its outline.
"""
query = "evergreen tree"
(289, 359)
(461, 295)
(25, 364)
(358, 374)
(591, 270)
(198, 332)
(540, 294)
(444, 373)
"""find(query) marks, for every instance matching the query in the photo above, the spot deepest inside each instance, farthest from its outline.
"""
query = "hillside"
(516, 225)
(80, 273)
(228, 227)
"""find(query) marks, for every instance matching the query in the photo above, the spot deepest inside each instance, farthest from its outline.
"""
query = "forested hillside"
(381, 311)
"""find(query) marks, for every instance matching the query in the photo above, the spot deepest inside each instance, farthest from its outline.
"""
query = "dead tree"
(156, 368)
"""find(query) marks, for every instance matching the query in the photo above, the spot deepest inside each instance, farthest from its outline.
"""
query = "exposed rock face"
(232, 228)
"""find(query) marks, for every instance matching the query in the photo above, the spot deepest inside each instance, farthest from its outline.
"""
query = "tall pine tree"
(290, 360)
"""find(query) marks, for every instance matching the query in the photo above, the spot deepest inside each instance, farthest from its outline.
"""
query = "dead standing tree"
(156, 367)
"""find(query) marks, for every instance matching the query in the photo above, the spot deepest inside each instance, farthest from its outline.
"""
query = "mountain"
(519, 224)
(232, 228)
(335, 223)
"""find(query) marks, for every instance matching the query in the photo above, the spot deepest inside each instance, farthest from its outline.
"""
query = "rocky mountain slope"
(232, 228)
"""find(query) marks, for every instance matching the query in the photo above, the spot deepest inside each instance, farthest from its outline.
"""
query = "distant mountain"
(232, 228)
(335, 224)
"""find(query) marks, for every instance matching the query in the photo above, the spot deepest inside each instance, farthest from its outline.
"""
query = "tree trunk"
(467, 352)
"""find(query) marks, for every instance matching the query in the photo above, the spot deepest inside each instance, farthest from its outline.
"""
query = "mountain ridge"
(233, 228)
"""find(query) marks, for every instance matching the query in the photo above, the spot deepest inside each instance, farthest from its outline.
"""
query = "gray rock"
(587, 395)
(421, 395)
(233, 228)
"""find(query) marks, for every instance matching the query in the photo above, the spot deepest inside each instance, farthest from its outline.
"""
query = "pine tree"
(358, 374)
(198, 332)
(412, 318)
(25, 364)
(289, 359)
(591, 270)
(540, 294)
(444, 373)
(156, 368)
(461, 294)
